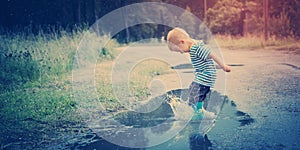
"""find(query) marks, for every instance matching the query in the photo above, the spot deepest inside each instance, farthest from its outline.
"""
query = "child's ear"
(181, 41)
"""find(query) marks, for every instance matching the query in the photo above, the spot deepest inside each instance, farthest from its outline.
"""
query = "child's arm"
(219, 62)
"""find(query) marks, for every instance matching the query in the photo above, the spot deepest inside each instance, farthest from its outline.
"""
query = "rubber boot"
(199, 105)
(198, 111)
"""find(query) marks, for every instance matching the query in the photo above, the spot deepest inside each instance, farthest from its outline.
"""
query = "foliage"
(284, 17)
(224, 17)
(254, 18)
(280, 25)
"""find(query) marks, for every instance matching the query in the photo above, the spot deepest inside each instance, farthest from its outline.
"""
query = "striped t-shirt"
(205, 71)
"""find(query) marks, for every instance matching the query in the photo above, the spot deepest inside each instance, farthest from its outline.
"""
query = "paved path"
(266, 85)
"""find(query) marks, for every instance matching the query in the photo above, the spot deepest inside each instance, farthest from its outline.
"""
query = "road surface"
(261, 111)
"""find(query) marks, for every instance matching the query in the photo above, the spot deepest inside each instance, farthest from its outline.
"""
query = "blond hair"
(174, 36)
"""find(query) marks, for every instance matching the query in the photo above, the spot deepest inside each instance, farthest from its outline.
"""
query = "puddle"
(143, 120)
(188, 72)
(188, 138)
(236, 65)
(231, 115)
(290, 65)
(183, 66)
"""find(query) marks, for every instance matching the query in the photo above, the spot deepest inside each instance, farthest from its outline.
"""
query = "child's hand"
(219, 62)
(226, 68)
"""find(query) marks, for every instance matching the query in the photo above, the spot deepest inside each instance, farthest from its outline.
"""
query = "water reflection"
(199, 142)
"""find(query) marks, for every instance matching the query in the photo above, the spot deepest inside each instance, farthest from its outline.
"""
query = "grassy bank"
(36, 84)
(252, 42)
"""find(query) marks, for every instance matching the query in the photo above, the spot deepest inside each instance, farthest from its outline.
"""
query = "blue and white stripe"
(205, 71)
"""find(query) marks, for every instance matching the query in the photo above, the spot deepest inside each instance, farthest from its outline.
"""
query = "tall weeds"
(35, 78)
(251, 42)
(28, 57)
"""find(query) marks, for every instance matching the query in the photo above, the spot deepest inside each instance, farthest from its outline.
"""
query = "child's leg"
(197, 94)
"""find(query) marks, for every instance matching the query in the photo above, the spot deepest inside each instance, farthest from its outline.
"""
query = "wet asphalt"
(265, 84)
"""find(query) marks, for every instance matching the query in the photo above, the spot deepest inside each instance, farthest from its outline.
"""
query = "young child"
(202, 60)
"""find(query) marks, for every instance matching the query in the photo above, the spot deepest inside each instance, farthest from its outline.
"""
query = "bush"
(280, 25)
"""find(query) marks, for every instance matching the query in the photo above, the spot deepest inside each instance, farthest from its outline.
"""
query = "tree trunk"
(125, 24)
(266, 19)
(93, 11)
(84, 12)
(79, 11)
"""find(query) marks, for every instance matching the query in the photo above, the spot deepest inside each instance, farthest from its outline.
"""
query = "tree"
(224, 17)
(254, 17)
(283, 17)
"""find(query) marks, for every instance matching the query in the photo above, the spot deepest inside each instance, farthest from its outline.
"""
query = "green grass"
(50, 103)
(36, 81)
(33, 112)
(36, 58)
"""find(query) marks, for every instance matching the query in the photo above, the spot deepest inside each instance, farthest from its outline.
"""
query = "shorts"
(197, 93)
